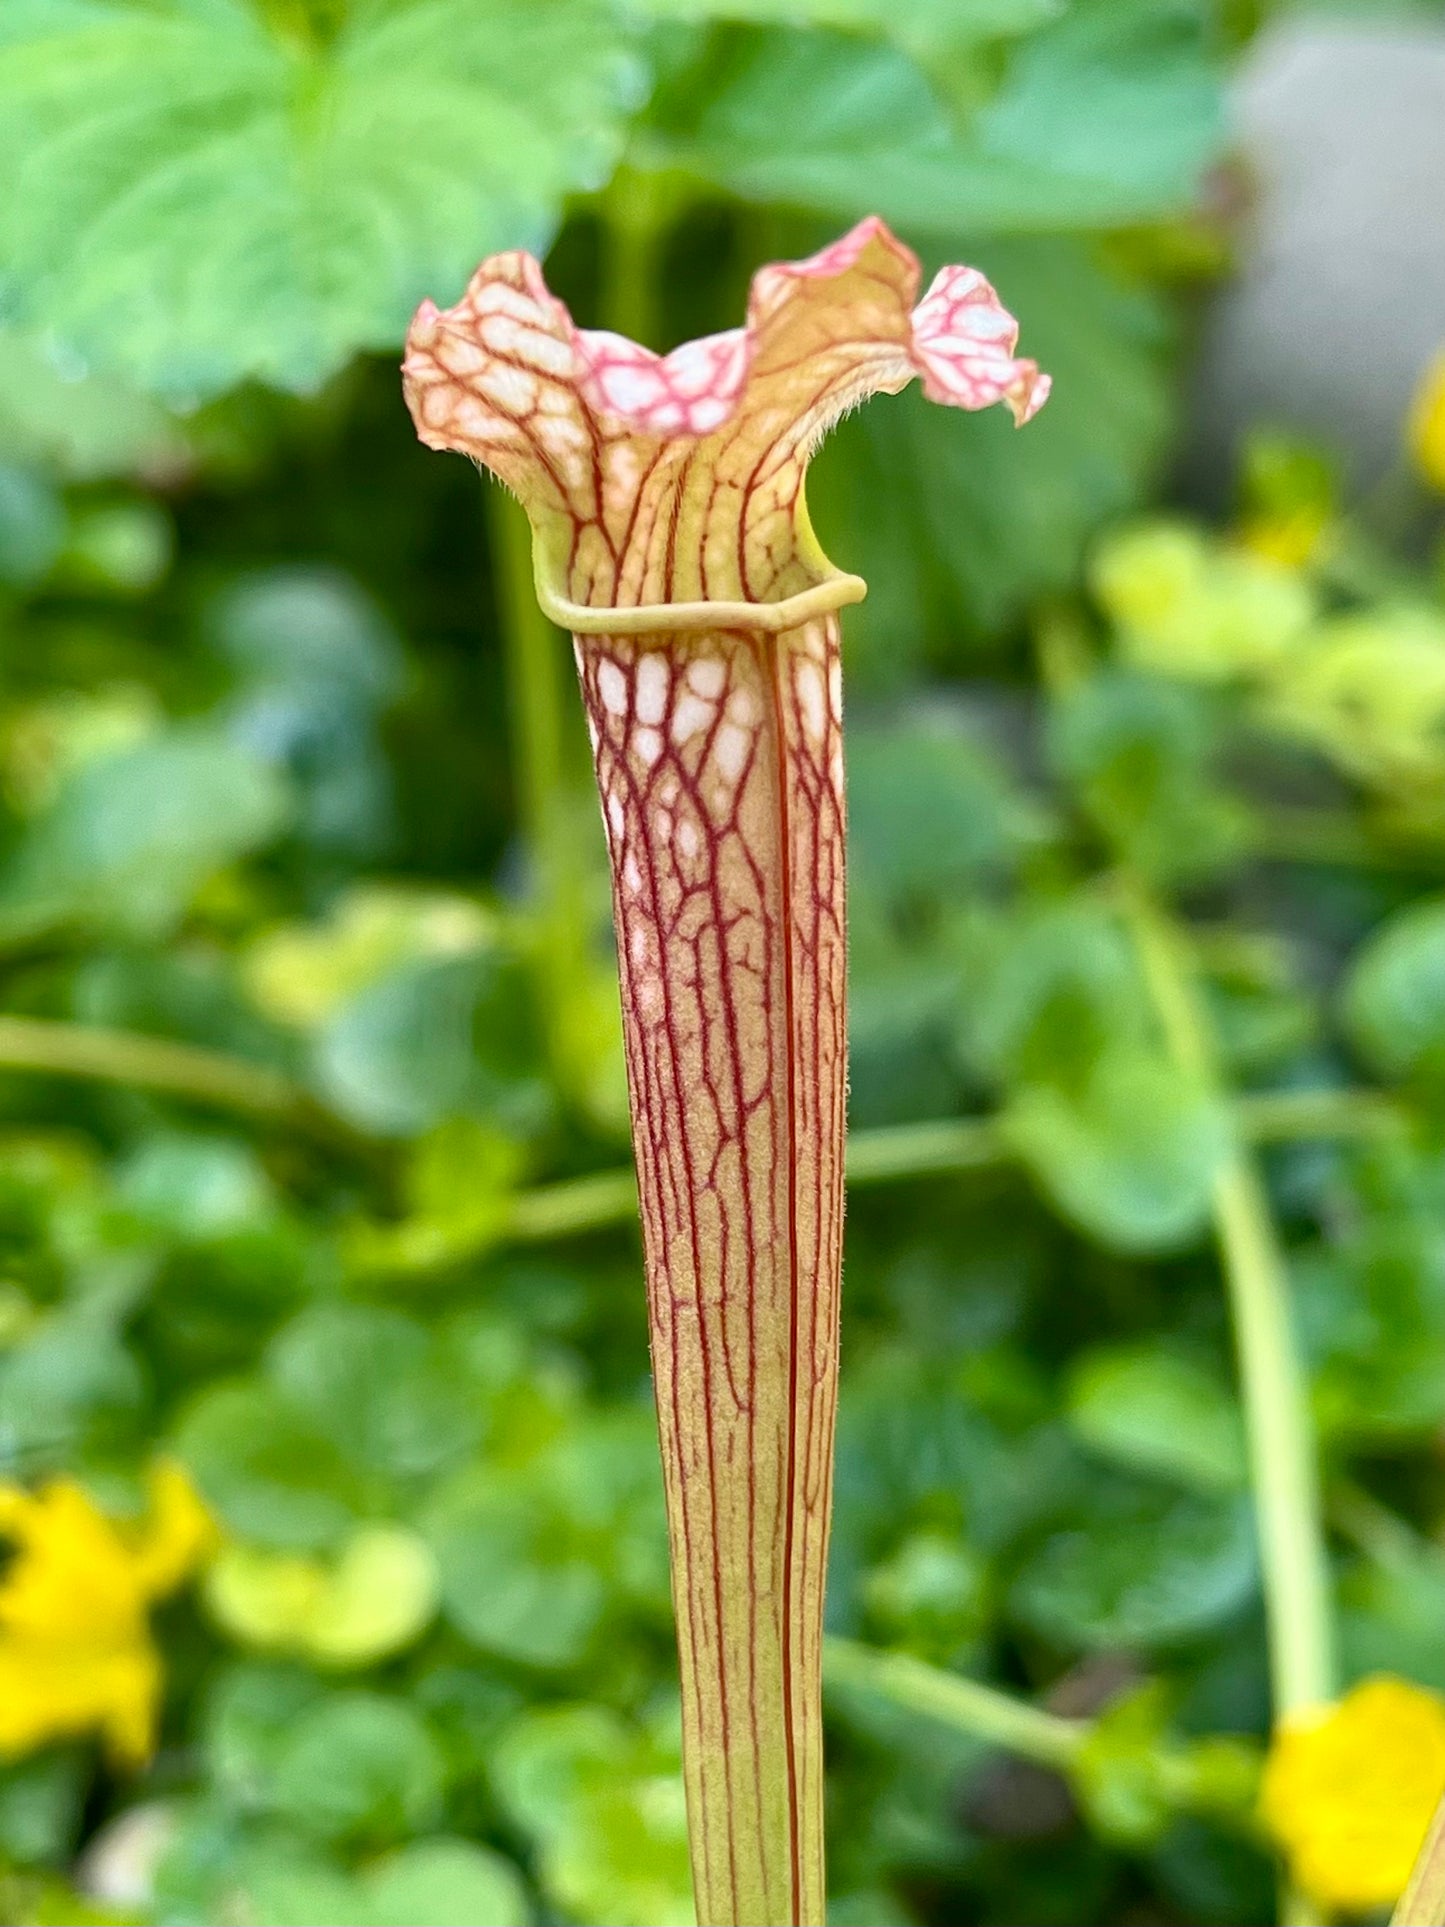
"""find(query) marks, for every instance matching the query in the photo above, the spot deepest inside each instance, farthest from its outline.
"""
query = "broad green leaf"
(71, 1394)
(1142, 756)
(1140, 1569)
(604, 1803)
(53, 414)
(431, 1039)
(372, 1600)
(197, 196)
(935, 769)
(32, 528)
(361, 1767)
(516, 1580)
(1117, 91)
(130, 838)
(302, 973)
(186, 1186)
(1107, 117)
(1060, 988)
(380, 1596)
(270, 1474)
(390, 1398)
(445, 1883)
(40, 1807)
(1131, 1157)
(1394, 1002)
(249, 1713)
(1155, 1410)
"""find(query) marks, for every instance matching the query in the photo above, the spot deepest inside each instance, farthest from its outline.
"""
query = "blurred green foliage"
(362, 1260)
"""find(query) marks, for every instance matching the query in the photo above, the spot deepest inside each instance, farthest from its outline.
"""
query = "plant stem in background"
(1282, 1455)
(983, 1712)
(542, 721)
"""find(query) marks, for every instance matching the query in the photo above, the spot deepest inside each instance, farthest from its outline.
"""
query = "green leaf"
(186, 1186)
(445, 1883)
(197, 197)
(249, 1716)
(929, 769)
(71, 1393)
(271, 1474)
(359, 1767)
(1140, 1569)
(40, 1807)
(1153, 1410)
(1060, 989)
(375, 1599)
(55, 415)
(971, 516)
(1394, 1000)
(1142, 756)
(131, 838)
(1392, 1611)
(1132, 1156)
(605, 1804)
(32, 528)
(1117, 91)
(379, 1387)
(1109, 117)
(434, 1038)
(515, 1579)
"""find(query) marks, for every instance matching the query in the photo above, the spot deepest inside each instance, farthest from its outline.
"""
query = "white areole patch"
(653, 681)
(812, 700)
(612, 688)
(691, 715)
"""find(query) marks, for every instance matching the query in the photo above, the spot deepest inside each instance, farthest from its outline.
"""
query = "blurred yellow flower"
(1290, 538)
(1427, 424)
(75, 1648)
(1349, 1791)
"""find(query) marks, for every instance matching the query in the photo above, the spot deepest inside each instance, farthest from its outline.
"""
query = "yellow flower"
(75, 1648)
(1290, 538)
(1349, 1791)
(1427, 424)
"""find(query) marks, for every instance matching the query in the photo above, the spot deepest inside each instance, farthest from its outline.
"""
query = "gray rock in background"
(1340, 298)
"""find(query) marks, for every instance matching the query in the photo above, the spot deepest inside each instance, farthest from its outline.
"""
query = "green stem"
(636, 211)
(984, 1713)
(1283, 1463)
(538, 675)
(148, 1063)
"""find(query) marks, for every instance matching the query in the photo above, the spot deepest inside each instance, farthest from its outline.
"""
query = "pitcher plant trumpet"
(671, 537)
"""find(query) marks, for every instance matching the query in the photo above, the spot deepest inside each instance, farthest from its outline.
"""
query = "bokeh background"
(334, 1585)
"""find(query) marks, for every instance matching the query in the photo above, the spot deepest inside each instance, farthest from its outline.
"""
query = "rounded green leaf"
(359, 1767)
(271, 1475)
(514, 1579)
(196, 195)
(379, 1596)
(132, 836)
(1132, 1157)
(1395, 995)
(1140, 1569)
(445, 1883)
(1154, 1410)
(384, 1391)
